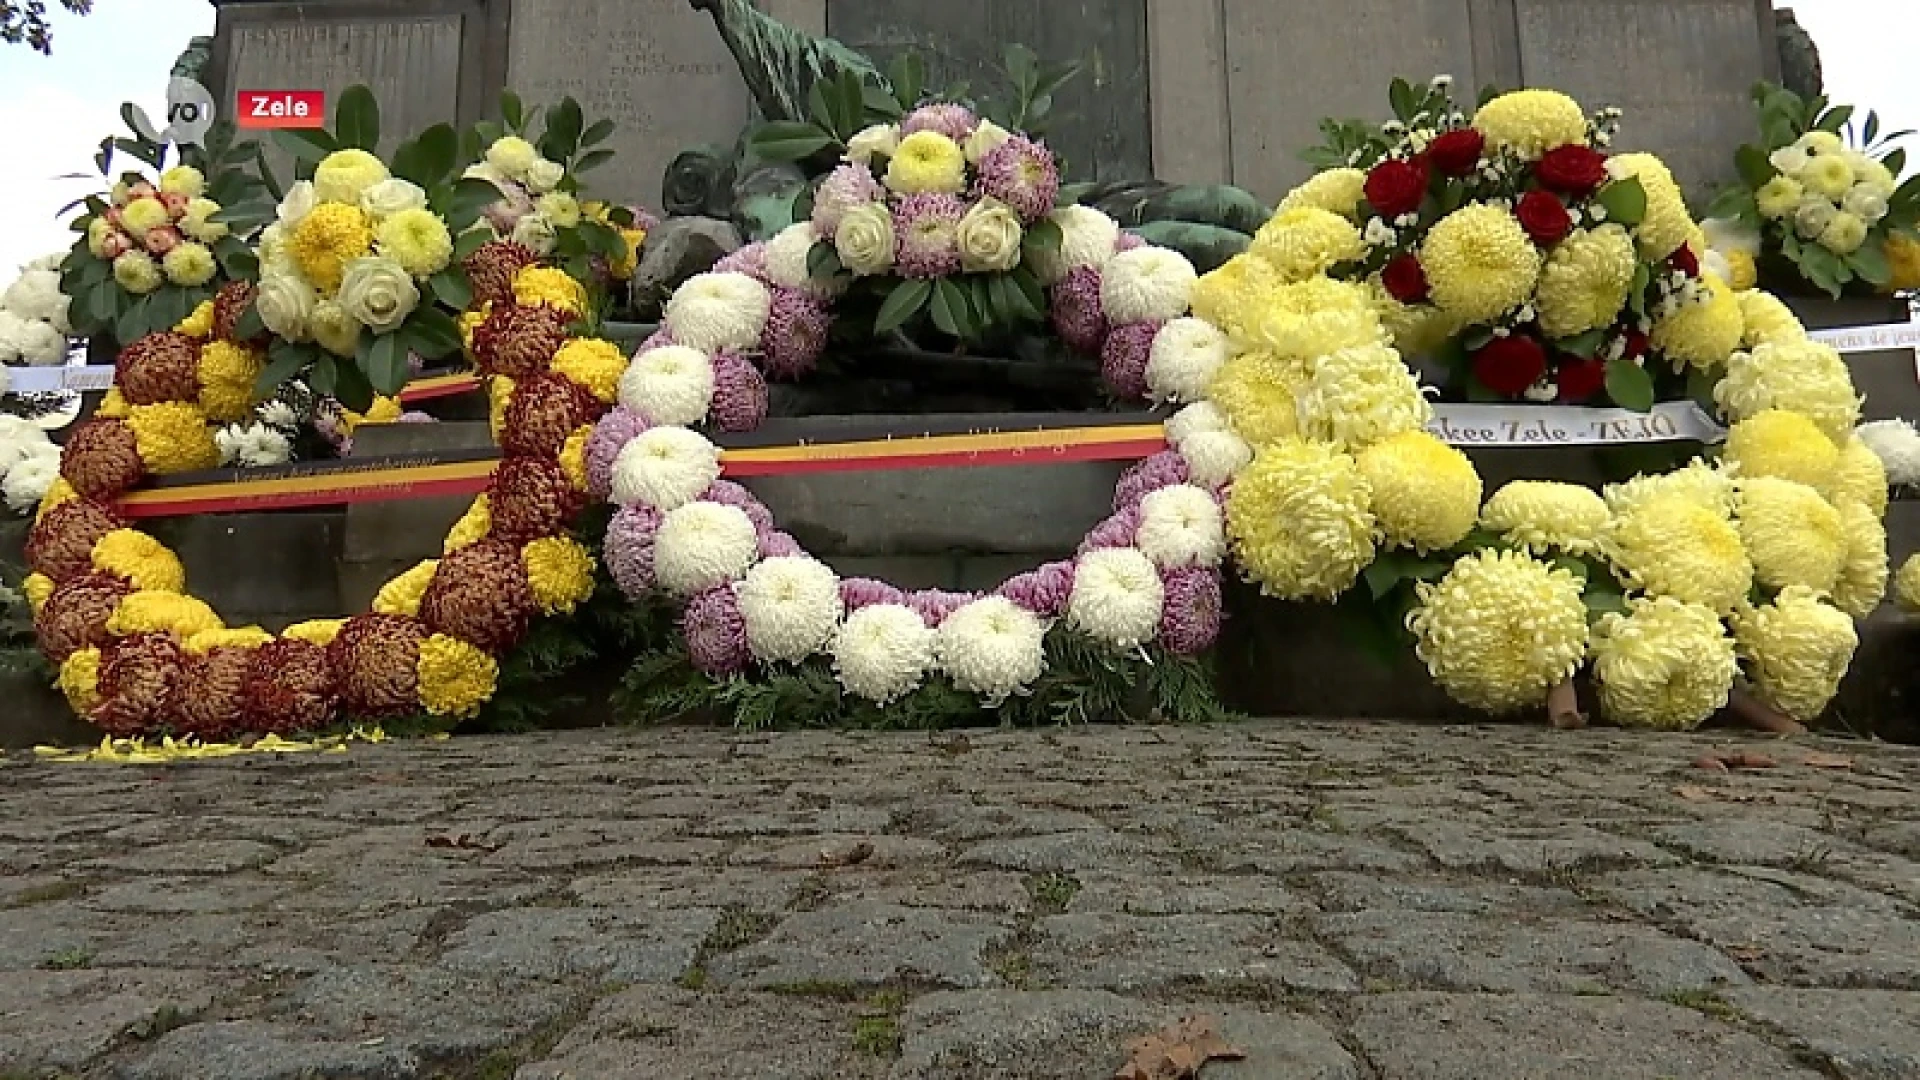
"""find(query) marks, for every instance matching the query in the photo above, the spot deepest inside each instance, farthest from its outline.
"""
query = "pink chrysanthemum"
(956, 122)
(1022, 174)
(1190, 620)
(629, 549)
(1117, 531)
(659, 339)
(728, 493)
(844, 188)
(611, 435)
(860, 592)
(924, 228)
(934, 605)
(1044, 591)
(1142, 478)
(750, 260)
(1124, 356)
(1076, 312)
(716, 633)
(775, 544)
(1127, 241)
(796, 334)
(739, 394)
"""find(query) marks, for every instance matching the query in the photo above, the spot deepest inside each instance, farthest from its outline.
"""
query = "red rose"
(1508, 365)
(1544, 217)
(1636, 345)
(1457, 153)
(1405, 279)
(1396, 187)
(1581, 379)
(1572, 170)
(1684, 260)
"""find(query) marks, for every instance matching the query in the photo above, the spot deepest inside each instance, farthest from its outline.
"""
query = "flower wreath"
(136, 654)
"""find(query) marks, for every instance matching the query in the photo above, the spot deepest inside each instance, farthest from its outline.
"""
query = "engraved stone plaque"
(656, 68)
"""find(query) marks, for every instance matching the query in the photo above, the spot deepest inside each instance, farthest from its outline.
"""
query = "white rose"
(988, 238)
(297, 204)
(865, 240)
(535, 233)
(880, 140)
(391, 196)
(513, 156)
(1866, 203)
(543, 176)
(1788, 159)
(285, 304)
(985, 140)
(1813, 216)
(379, 293)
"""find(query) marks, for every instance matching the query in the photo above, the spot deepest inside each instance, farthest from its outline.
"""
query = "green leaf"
(1629, 385)
(820, 108)
(1834, 119)
(386, 363)
(1584, 345)
(451, 287)
(249, 325)
(1869, 263)
(902, 304)
(783, 141)
(1604, 601)
(1872, 130)
(1011, 299)
(284, 361)
(310, 145)
(1755, 169)
(880, 104)
(1895, 161)
(466, 199)
(564, 125)
(1030, 289)
(356, 119)
(469, 242)
(1733, 202)
(511, 110)
(1625, 200)
(823, 261)
(1577, 567)
(592, 159)
(1385, 573)
(1400, 96)
(351, 386)
(909, 78)
(596, 133)
(132, 324)
(104, 304)
(435, 154)
(431, 332)
(1044, 235)
(949, 309)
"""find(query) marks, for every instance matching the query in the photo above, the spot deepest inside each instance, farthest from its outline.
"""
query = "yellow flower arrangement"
(1301, 243)
(1665, 664)
(1797, 650)
(401, 596)
(146, 563)
(573, 457)
(1301, 522)
(1704, 333)
(1800, 376)
(1585, 281)
(418, 240)
(1906, 585)
(1783, 444)
(1480, 263)
(80, 680)
(560, 573)
(1667, 224)
(326, 240)
(345, 175)
(1671, 545)
(162, 613)
(1544, 517)
(36, 588)
(594, 365)
(1793, 536)
(546, 285)
(1903, 261)
(1531, 122)
(1765, 320)
(199, 323)
(455, 678)
(319, 632)
(172, 437)
(227, 376)
(1338, 191)
(1858, 476)
(1359, 396)
(472, 527)
(246, 637)
(1426, 494)
(1500, 630)
(1257, 392)
(1863, 577)
(1231, 296)
(927, 162)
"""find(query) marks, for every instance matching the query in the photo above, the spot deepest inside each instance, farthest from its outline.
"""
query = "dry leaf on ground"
(1734, 759)
(1815, 759)
(1178, 1051)
(464, 842)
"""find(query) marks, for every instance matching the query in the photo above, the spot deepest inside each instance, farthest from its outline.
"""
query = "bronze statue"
(781, 64)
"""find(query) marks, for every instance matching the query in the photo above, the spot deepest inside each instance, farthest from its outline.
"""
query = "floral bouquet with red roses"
(1513, 252)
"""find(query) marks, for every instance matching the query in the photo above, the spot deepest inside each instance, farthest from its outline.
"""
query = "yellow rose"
(345, 175)
(513, 156)
(988, 238)
(136, 273)
(865, 239)
(183, 180)
(379, 293)
(189, 264)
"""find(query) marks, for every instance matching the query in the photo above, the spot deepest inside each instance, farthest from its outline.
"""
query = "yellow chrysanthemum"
(402, 595)
(1480, 263)
(499, 396)
(594, 364)
(1545, 517)
(1704, 333)
(319, 632)
(247, 637)
(1230, 297)
(1743, 273)
(1858, 476)
(1300, 520)
(1906, 585)
(1306, 241)
(1797, 650)
(1765, 320)
(1500, 630)
(471, 320)
(142, 216)
(560, 573)
(554, 288)
(472, 527)
(36, 587)
(1667, 224)
(1697, 482)
(1779, 197)
(1358, 396)
(1844, 234)
(345, 175)
(927, 162)
(418, 240)
(1666, 664)
(1903, 261)
(1800, 376)
(1863, 577)
(1257, 391)
(1828, 176)
(60, 492)
(113, 405)
(1426, 494)
(80, 680)
(1783, 444)
(1671, 545)
(1337, 191)
(199, 324)
(162, 613)
(173, 437)
(573, 457)
(1308, 319)
(184, 180)
(1532, 122)
(326, 240)
(622, 268)
(190, 265)
(146, 563)
(1584, 284)
(384, 410)
(136, 272)
(1793, 536)
(455, 678)
(227, 376)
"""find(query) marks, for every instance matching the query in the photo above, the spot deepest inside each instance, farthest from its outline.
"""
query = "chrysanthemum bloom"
(1702, 334)
(1149, 475)
(775, 544)
(519, 342)
(797, 327)
(1190, 621)
(1797, 650)
(374, 658)
(844, 188)
(1666, 664)
(1360, 396)
(1301, 521)
(493, 266)
(787, 256)
(1075, 313)
(1426, 494)
(102, 459)
(629, 549)
(1305, 242)
(1337, 191)
(956, 122)
(1863, 577)
(1043, 591)
(791, 606)
(1181, 526)
(1258, 391)
(1782, 444)
(718, 311)
(140, 680)
(1116, 530)
(1528, 123)
(1667, 225)
(1087, 239)
(544, 412)
(1123, 359)
(530, 498)
(64, 541)
(1545, 517)
(882, 652)
(1858, 477)
(1699, 482)
(1480, 263)
(401, 595)
(857, 593)
(1023, 175)
(1214, 458)
(610, 435)
(1793, 536)
(1670, 545)
(927, 163)
(1117, 597)
(1147, 284)
(664, 467)
(926, 226)
(327, 240)
(1897, 445)
(716, 633)
(1233, 295)
(480, 594)
(289, 687)
(1500, 630)
(473, 526)
(739, 394)
(344, 175)
(728, 493)
(1186, 355)
(750, 260)
(992, 647)
(702, 545)
(671, 385)
(1906, 585)
(159, 368)
(1585, 281)
(75, 616)
(1765, 320)
(1800, 376)
(934, 605)
(455, 678)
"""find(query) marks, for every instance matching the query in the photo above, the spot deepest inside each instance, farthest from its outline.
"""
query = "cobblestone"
(1349, 902)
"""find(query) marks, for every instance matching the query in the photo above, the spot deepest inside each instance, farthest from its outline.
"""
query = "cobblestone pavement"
(1347, 901)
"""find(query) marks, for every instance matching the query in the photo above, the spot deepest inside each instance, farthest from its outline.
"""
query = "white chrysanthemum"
(278, 414)
(1181, 526)
(713, 312)
(791, 605)
(29, 478)
(992, 647)
(665, 468)
(1199, 417)
(882, 652)
(672, 384)
(36, 297)
(1186, 355)
(1087, 237)
(1147, 284)
(1117, 597)
(787, 262)
(1897, 445)
(253, 446)
(1214, 458)
(701, 545)
(38, 343)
